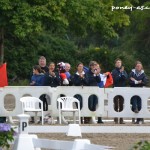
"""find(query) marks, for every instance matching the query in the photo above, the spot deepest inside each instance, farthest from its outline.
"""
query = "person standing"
(52, 77)
(37, 77)
(137, 78)
(68, 74)
(42, 64)
(93, 80)
(80, 79)
(119, 80)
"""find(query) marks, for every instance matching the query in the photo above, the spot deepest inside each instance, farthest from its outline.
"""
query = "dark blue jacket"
(78, 81)
(51, 81)
(92, 79)
(38, 79)
(138, 76)
(119, 78)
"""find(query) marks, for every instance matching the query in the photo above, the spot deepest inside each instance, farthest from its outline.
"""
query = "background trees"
(71, 31)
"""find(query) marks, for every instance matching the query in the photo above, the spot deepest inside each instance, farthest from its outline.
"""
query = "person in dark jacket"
(137, 78)
(119, 80)
(93, 74)
(93, 80)
(80, 77)
(51, 78)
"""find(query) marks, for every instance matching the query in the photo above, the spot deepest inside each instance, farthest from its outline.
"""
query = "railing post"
(23, 127)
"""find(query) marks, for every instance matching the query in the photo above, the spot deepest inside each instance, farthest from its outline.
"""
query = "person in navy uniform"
(137, 78)
(119, 80)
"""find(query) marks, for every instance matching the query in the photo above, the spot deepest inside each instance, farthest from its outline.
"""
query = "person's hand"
(82, 75)
(52, 74)
(32, 83)
(122, 69)
(106, 74)
(140, 81)
(132, 79)
(96, 72)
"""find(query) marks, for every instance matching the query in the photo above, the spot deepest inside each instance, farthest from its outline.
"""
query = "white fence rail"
(105, 107)
(67, 145)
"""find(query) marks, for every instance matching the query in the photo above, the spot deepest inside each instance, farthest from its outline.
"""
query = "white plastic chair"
(65, 104)
(31, 104)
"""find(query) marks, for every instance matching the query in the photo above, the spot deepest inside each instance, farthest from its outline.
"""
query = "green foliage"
(6, 137)
(65, 30)
(23, 18)
(22, 55)
(106, 57)
(142, 145)
(136, 38)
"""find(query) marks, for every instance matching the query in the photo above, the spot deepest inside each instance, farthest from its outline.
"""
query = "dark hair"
(80, 63)
(38, 68)
(51, 63)
(92, 63)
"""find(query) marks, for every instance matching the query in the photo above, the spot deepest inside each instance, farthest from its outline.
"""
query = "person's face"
(35, 71)
(138, 67)
(93, 66)
(118, 64)
(42, 62)
(51, 67)
(98, 69)
(67, 67)
(80, 68)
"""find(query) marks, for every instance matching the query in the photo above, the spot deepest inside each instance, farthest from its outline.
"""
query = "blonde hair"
(42, 57)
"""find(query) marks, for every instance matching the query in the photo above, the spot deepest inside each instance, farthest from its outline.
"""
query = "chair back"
(67, 102)
(30, 102)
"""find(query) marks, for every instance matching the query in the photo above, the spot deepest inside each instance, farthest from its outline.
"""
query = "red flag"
(109, 80)
(3, 75)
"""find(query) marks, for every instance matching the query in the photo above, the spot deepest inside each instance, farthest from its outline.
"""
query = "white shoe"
(93, 120)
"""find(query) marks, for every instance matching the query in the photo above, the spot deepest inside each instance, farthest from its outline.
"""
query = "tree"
(136, 38)
(94, 17)
(21, 18)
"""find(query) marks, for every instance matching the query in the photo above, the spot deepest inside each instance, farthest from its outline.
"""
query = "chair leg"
(63, 120)
(36, 117)
(74, 117)
(42, 119)
(60, 113)
(79, 118)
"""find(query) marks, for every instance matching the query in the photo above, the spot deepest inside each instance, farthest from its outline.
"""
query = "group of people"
(59, 75)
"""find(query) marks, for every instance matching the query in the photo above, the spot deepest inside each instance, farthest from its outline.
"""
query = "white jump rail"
(79, 144)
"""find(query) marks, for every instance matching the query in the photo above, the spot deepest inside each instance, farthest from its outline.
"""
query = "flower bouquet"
(6, 135)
